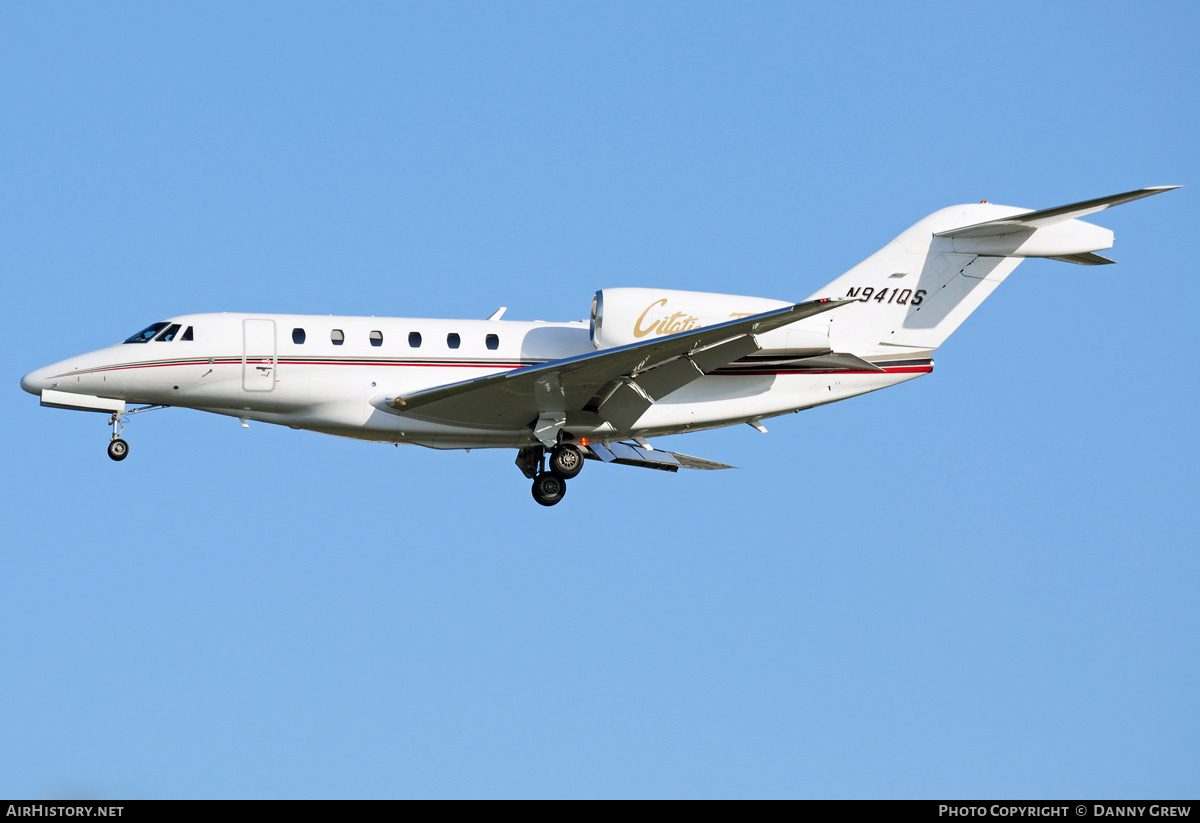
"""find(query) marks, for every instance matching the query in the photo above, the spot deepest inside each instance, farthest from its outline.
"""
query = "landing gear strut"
(118, 449)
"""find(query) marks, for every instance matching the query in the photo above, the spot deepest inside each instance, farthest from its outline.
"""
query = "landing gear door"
(259, 356)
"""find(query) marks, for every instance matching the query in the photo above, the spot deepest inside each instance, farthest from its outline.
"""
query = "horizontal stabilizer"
(1048, 217)
(629, 454)
(1087, 258)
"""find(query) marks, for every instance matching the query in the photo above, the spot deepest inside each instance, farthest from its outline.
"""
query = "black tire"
(566, 461)
(118, 449)
(548, 489)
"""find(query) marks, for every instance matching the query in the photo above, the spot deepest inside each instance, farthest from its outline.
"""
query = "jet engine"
(623, 316)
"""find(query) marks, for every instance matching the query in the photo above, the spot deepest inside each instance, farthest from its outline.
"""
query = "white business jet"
(649, 361)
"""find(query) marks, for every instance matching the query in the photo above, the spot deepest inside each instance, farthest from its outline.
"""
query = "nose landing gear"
(118, 449)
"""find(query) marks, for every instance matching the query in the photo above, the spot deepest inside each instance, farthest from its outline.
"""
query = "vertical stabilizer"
(915, 291)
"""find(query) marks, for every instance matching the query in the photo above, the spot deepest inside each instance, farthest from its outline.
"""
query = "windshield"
(169, 334)
(147, 334)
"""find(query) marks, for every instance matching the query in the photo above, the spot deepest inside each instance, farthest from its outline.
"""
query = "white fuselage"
(289, 370)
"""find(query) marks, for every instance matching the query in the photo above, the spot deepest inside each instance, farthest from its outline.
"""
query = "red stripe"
(505, 366)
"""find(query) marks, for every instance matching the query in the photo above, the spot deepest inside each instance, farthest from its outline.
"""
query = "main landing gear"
(566, 461)
(548, 488)
(550, 484)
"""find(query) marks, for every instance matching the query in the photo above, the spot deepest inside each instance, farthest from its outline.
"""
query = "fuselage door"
(259, 355)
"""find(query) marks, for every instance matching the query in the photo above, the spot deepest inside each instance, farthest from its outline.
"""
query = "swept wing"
(617, 384)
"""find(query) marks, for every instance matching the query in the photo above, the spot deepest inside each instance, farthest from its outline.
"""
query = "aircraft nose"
(35, 381)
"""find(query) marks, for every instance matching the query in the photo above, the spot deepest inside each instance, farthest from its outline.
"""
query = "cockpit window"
(147, 334)
(187, 334)
(168, 335)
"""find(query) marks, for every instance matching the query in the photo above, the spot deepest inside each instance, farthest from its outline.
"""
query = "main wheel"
(548, 489)
(566, 461)
(118, 449)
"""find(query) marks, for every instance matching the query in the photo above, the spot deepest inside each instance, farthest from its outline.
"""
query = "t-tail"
(915, 291)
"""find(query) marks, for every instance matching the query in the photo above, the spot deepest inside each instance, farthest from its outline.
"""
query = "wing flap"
(628, 454)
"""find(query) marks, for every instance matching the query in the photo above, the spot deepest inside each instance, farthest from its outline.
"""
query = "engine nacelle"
(624, 316)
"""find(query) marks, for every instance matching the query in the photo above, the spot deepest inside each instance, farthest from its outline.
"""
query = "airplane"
(648, 362)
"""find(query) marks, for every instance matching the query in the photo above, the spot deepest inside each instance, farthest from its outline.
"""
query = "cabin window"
(168, 335)
(187, 334)
(493, 342)
(453, 340)
(147, 334)
(376, 338)
(298, 336)
(337, 336)
(414, 339)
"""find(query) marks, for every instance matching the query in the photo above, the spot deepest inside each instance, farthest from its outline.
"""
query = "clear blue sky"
(980, 583)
